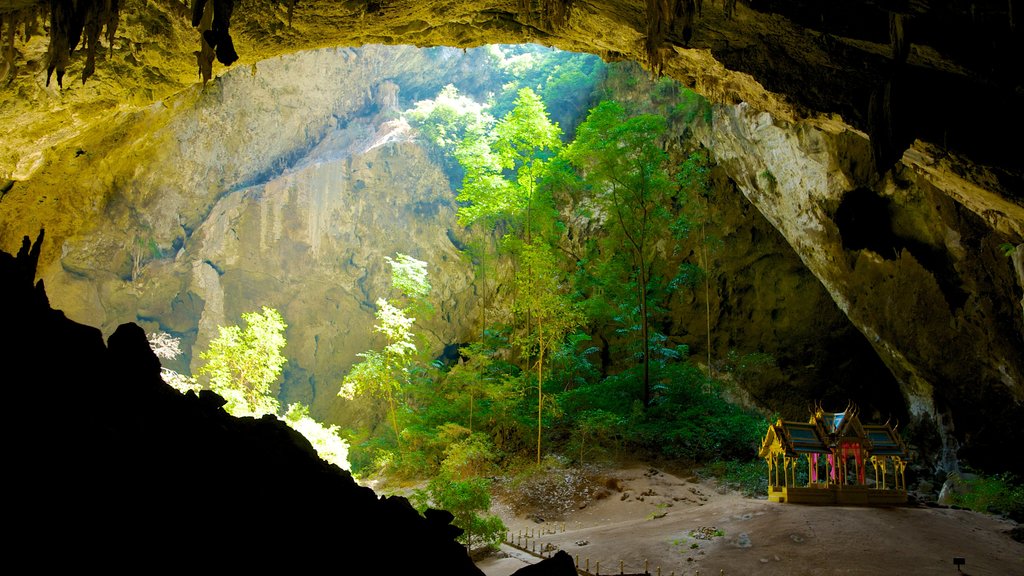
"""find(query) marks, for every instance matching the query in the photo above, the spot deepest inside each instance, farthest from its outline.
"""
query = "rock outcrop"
(127, 472)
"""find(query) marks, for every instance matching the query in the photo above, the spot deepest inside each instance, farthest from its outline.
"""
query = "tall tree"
(544, 299)
(503, 170)
(385, 372)
(243, 363)
(629, 177)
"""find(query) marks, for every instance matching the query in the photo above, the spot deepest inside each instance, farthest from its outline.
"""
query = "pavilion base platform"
(837, 495)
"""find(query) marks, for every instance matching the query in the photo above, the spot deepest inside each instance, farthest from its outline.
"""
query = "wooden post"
(621, 564)
(577, 560)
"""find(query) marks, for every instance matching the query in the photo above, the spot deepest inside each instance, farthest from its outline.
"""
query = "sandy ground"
(691, 527)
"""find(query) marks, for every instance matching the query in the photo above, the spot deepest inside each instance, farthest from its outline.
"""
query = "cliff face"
(922, 273)
(257, 192)
(817, 106)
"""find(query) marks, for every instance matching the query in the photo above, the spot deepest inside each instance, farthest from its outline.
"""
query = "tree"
(504, 169)
(446, 120)
(167, 347)
(385, 372)
(552, 311)
(466, 500)
(243, 363)
(326, 440)
(627, 171)
(693, 179)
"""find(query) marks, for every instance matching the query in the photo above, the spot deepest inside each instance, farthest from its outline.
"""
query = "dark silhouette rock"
(560, 564)
(108, 466)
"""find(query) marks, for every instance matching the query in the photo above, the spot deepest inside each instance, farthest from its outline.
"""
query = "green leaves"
(504, 166)
(409, 276)
(466, 500)
(243, 363)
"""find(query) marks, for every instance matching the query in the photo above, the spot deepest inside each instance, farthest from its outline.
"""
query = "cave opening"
(304, 219)
(286, 164)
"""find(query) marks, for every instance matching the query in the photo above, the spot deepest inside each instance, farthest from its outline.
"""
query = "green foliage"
(997, 494)
(409, 276)
(446, 121)
(385, 373)
(504, 166)
(595, 432)
(325, 439)
(243, 363)
(471, 456)
(750, 477)
(631, 181)
(686, 419)
(691, 107)
(467, 500)
(564, 80)
(551, 313)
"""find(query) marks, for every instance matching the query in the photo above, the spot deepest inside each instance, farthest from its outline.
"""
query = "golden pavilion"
(833, 451)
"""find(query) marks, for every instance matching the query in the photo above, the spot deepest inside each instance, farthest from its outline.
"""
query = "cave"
(862, 140)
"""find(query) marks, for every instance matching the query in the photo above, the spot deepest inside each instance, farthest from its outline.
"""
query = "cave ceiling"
(947, 73)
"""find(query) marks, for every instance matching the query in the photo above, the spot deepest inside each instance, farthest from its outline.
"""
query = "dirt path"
(685, 527)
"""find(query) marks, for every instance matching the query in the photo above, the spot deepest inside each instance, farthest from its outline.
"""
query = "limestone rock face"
(312, 243)
(258, 191)
(922, 275)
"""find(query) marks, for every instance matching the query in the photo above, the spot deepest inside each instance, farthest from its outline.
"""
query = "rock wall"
(264, 188)
(919, 270)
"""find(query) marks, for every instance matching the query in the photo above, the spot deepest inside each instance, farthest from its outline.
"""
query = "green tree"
(466, 500)
(243, 363)
(503, 172)
(445, 122)
(693, 180)
(326, 440)
(553, 314)
(409, 277)
(628, 174)
(384, 373)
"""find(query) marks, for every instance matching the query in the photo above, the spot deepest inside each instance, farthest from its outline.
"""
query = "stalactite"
(58, 54)
(27, 19)
(667, 19)
(898, 38)
(730, 8)
(213, 18)
(69, 19)
(552, 14)
(202, 19)
(217, 36)
(7, 26)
